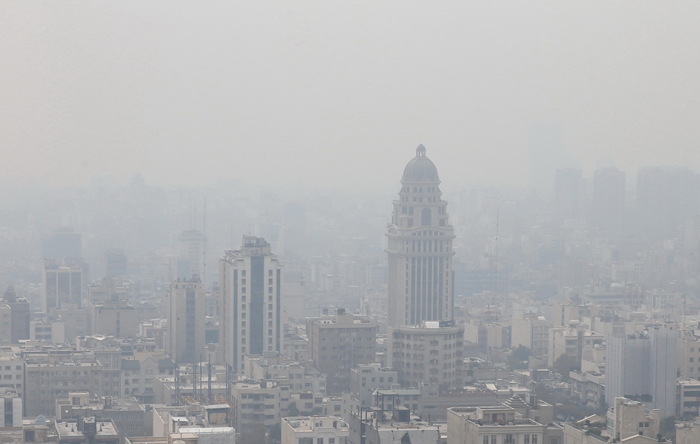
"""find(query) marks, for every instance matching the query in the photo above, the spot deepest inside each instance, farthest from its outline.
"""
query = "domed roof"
(420, 168)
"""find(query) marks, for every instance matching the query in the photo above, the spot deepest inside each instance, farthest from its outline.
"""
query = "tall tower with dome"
(420, 280)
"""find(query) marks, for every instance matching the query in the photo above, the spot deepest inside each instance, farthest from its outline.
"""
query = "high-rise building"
(643, 365)
(186, 320)
(250, 308)
(420, 281)
(19, 315)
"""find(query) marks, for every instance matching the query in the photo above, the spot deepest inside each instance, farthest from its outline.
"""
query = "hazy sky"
(340, 93)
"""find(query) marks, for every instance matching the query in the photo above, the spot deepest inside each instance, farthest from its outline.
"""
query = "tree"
(293, 410)
(564, 364)
(518, 358)
(275, 433)
(667, 428)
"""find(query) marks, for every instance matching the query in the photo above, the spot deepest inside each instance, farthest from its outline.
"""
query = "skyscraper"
(420, 281)
(250, 318)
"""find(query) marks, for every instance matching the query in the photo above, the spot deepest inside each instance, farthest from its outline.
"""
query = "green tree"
(293, 410)
(564, 364)
(518, 358)
(667, 428)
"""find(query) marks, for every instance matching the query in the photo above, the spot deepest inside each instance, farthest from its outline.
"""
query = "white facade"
(250, 318)
(420, 276)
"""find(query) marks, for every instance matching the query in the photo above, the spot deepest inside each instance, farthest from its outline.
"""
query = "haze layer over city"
(359, 223)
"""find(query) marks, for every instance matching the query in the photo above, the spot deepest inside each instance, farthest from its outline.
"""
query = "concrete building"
(113, 319)
(627, 418)
(571, 341)
(366, 378)
(531, 331)
(374, 426)
(498, 425)
(10, 408)
(258, 402)
(87, 430)
(43, 330)
(273, 366)
(186, 320)
(688, 354)
(250, 308)
(128, 415)
(644, 364)
(339, 343)
(12, 373)
(314, 430)
(687, 398)
(54, 374)
(431, 353)
(420, 275)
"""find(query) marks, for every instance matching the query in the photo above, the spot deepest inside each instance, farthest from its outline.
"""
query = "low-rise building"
(258, 402)
(314, 430)
(87, 430)
(502, 424)
(367, 378)
(627, 418)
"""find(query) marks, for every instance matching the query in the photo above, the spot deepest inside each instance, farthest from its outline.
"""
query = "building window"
(527, 439)
(509, 439)
(534, 439)
(486, 439)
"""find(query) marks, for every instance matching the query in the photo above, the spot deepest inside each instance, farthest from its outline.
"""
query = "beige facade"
(186, 321)
(430, 354)
(339, 343)
(259, 403)
(497, 425)
(531, 331)
(630, 418)
(688, 354)
(571, 341)
(419, 248)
